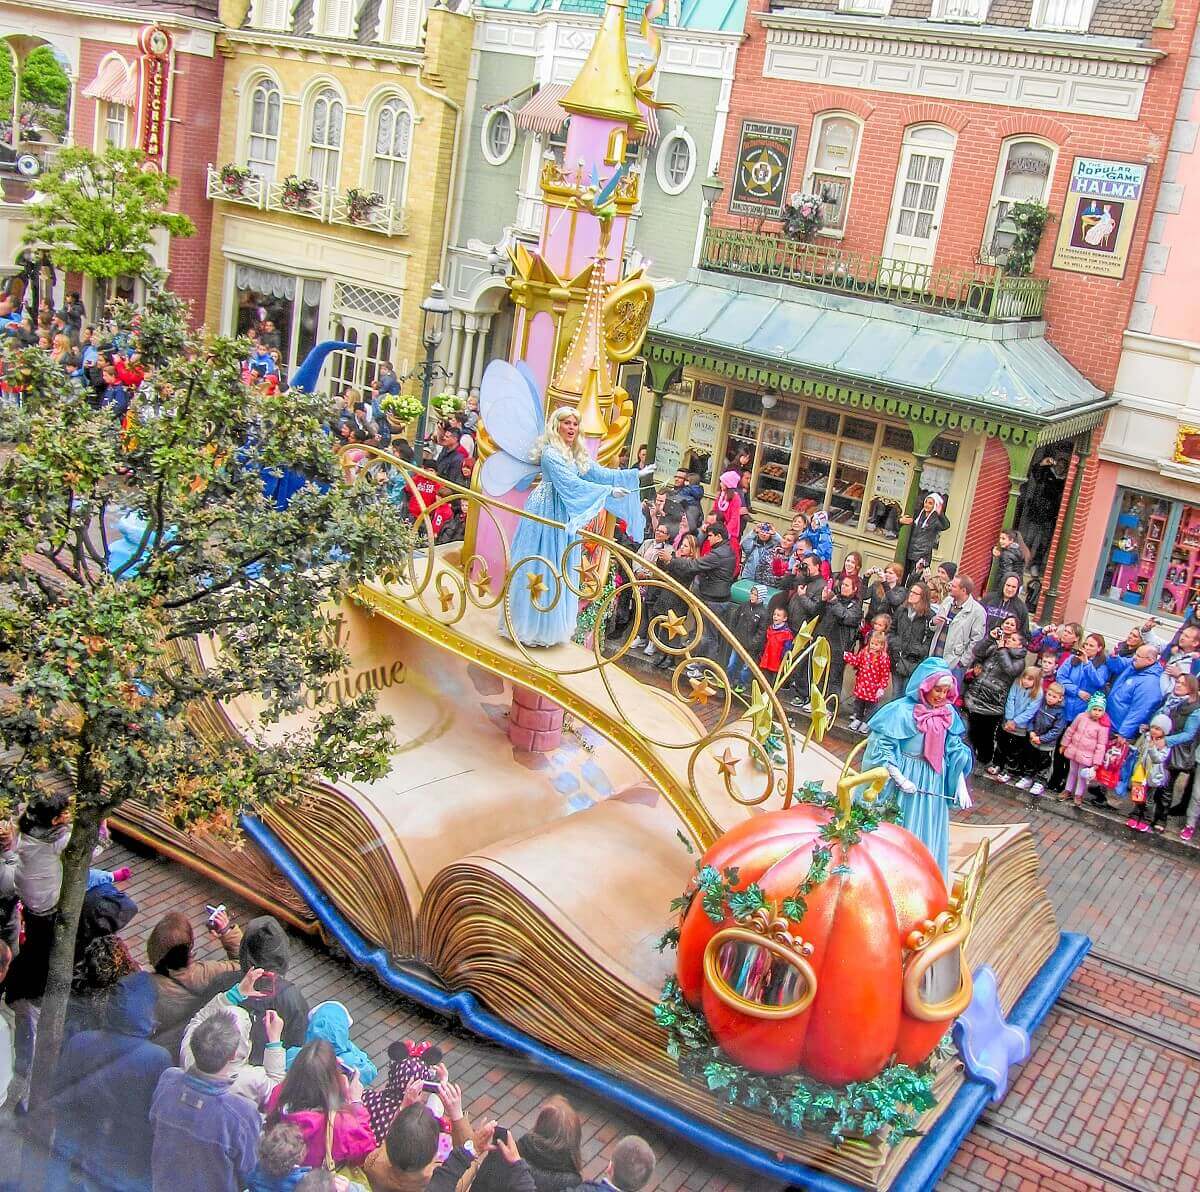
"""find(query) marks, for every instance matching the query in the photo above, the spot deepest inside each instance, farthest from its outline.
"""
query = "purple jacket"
(205, 1137)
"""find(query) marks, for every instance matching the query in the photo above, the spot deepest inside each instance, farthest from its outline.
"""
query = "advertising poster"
(1098, 217)
(760, 179)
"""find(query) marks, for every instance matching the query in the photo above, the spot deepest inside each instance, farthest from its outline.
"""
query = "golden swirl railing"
(444, 588)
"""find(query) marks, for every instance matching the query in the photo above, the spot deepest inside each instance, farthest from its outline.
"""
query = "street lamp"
(435, 310)
(711, 189)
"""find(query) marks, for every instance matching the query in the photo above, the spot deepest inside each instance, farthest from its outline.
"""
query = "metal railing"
(250, 190)
(983, 292)
(312, 204)
(440, 587)
(388, 219)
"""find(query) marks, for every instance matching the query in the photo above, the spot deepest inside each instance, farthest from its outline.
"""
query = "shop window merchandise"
(1153, 556)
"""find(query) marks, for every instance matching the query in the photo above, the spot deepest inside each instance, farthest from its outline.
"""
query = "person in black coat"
(910, 635)
(551, 1150)
(806, 602)
(711, 576)
(265, 946)
(927, 527)
(987, 690)
(748, 623)
(839, 627)
(1005, 601)
(886, 592)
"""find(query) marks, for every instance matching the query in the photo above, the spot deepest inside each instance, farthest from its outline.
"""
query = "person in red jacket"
(779, 641)
(872, 677)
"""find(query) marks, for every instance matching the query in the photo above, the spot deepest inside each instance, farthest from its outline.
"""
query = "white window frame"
(328, 93)
(989, 231)
(374, 157)
(810, 166)
(962, 12)
(271, 15)
(866, 8)
(1062, 16)
(403, 21)
(327, 12)
(268, 168)
(662, 159)
(106, 123)
(485, 146)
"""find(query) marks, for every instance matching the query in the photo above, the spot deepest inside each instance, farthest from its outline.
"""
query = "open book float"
(539, 885)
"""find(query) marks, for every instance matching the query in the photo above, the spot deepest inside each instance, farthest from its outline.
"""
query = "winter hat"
(951, 569)
(731, 479)
(819, 520)
(1097, 701)
(938, 500)
(1163, 722)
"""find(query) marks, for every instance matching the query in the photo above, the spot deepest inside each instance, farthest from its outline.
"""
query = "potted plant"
(298, 194)
(234, 179)
(448, 403)
(802, 217)
(1029, 220)
(361, 205)
(400, 409)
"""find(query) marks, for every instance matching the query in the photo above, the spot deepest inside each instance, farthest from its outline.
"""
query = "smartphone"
(213, 911)
(265, 986)
(431, 1086)
(500, 1134)
(347, 1070)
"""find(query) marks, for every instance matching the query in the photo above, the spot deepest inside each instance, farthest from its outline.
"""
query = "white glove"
(1088, 772)
(620, 492)
(962, 796)
(648, 470)
(905, 784)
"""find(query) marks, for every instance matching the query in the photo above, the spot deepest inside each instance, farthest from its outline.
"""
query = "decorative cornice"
(311, 47)
(574, 20)
(147, 16)
(989, 43)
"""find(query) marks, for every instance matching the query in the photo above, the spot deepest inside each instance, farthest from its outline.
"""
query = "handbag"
(1108, 773)
(1137, 784)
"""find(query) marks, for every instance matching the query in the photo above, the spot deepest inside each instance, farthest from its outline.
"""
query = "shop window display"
(1153, 558)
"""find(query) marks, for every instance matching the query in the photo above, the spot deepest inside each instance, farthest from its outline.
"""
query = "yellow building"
(339, 129)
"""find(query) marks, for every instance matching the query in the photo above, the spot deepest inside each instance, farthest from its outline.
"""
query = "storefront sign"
(891, 478)
(155, 44)
(1098, 217)
(760, 179)
(702, 436)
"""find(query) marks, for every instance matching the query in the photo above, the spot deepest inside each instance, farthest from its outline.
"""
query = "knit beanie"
(951, 569)
(1163, 722)
(1097, 701)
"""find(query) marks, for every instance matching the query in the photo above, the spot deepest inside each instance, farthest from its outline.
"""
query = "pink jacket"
(352, 1137)
(1086, 739)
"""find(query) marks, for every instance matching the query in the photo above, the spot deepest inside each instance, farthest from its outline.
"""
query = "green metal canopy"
(1004, 372)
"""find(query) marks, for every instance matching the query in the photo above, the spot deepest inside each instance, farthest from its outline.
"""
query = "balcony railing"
(982, 292)
(313, 203)
(249, 191)
(385, 218)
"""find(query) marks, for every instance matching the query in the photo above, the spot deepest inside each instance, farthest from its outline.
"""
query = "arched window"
(325, 138)
(393, 135)
(832, 160)
(262, 144)
(1023, 175)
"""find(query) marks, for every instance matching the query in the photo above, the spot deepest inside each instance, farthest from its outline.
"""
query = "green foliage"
(890, 1104)
(96, 664)
(45, 90)
(99, 212)
(1030, 220)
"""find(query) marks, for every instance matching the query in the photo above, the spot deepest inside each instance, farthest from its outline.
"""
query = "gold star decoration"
(702, 689)
(537, 584)
(589, 565)
(759, 712)
(445, 599)
(727, 764)
(482, 583)
(674, 625)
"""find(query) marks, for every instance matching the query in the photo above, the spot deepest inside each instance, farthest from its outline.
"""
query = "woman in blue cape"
(573, 491)
(919, 738)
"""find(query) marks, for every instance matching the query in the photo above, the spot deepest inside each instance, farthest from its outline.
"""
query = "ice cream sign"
(1098, 217)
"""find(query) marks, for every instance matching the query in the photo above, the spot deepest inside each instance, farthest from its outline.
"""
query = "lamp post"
(711, 189)
(435, 310)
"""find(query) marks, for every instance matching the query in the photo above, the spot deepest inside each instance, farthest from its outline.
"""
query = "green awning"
(1002, 370)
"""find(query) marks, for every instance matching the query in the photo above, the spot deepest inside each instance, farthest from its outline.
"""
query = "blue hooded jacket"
(331, 1021)
(1134, 697)
(822, 536)
(103, 1090)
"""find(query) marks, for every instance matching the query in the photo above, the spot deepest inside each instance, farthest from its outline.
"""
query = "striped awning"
(543, 112)
(115, 82)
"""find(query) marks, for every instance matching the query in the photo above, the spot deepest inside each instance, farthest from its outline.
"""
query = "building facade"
(141, 76)
(331, 183)
(524, 57)
(921, 338)
(1140, 550)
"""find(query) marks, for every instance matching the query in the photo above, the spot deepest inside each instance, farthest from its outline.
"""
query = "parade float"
(660, 892)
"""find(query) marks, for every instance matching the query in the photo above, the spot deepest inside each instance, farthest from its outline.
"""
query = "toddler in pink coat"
(1083, 745)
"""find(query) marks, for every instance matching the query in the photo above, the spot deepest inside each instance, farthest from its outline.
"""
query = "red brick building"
(145, 75)
(917, 127)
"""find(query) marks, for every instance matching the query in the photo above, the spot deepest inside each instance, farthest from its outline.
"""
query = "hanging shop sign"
(892, 476)
(760, 179)
(1187, 445)
(155, 44)
(1098, 217)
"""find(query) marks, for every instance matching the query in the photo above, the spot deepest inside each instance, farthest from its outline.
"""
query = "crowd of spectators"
(1050, 709)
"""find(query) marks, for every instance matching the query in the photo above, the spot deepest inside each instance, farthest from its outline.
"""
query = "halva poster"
(1098, 217)
(760, 179)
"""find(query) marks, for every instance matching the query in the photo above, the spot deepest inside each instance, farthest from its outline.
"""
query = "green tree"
(99, 212)
(95, 685)
(45, 89)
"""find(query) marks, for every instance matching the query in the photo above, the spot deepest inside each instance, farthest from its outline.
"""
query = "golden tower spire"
(604, 87)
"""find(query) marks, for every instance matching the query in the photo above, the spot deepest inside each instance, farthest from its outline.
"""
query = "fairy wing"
(510, 407)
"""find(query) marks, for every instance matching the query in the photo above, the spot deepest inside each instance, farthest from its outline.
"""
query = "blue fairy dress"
(573, 498)
(894, 739)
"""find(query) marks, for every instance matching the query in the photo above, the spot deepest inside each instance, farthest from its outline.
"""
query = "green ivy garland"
(891, 1102)
(587, 618)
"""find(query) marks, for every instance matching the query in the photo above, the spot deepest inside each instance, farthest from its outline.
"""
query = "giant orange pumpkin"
(853, 994)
